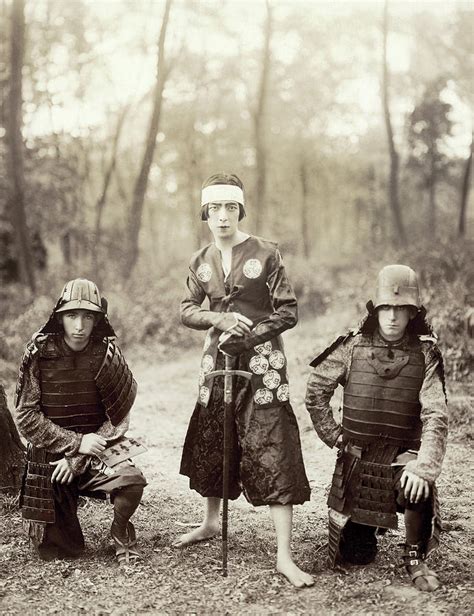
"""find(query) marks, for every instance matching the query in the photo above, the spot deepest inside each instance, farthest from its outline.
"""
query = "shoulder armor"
(32, 348)
(116, 384)
(337, 342)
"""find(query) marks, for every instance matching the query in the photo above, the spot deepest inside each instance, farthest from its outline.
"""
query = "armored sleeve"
(434, 417)
(191, 312)
(322, 382)
(283, 317)
(33, 424)
(78, 463)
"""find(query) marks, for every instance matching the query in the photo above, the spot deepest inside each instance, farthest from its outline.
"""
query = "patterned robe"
(266, 460)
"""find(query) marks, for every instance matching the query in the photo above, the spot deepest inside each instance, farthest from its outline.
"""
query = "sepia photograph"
(236, 307)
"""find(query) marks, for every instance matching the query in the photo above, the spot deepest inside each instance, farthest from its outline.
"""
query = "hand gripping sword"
(227, 373)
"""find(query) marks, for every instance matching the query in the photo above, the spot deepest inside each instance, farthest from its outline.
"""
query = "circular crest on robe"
(201, 377)
(204, 394)
(252, 268)
(261, 328)
(263, 396)
(204, 272)
(207, 340)
(283, 392)
(258, 364)
(207, 364)
(277, 360)
(271, 379)
(264, 349)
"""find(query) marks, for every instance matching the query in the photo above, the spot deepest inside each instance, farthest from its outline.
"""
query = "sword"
(227, 373)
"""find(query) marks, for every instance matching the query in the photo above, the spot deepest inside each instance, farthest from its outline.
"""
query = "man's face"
(223, 218)
(393, 321)
(78, 325)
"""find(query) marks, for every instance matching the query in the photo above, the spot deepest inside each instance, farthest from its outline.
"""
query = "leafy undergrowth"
(144, 310)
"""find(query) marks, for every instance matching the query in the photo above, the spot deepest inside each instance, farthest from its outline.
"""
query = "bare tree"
(13, 125)
(13, 452)
(400, 235)
(101, 201)
(141, 183)
(466, 183)
(259, 121)
(304, 219)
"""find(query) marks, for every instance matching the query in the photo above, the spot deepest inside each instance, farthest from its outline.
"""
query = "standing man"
(74, 396)
(392, 437)
(251, 300)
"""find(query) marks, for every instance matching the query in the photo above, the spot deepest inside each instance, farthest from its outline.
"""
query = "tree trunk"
(304, 221)
(100, 205)
(194, 200)
(141, 183)
(466, 183)
(399, 236)
(13, 453)
(432, 222)
(14, 138)
(259, 129)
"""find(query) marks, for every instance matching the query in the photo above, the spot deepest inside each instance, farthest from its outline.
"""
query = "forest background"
(349, 122)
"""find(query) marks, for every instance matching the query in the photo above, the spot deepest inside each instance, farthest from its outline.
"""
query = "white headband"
(222, 192)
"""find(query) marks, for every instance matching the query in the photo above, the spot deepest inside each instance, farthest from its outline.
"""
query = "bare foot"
(203, 532)
(293, 573)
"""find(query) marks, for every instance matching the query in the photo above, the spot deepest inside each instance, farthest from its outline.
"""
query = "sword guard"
(243, 373)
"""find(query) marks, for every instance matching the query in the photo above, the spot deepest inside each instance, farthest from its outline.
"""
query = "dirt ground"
(171, 581)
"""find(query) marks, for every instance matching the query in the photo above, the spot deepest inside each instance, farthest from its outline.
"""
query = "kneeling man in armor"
(392, 437)
(73, 401)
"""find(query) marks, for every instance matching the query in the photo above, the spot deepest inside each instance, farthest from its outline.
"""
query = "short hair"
(222, 178)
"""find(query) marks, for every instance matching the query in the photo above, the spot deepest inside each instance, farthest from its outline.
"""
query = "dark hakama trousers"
(266, 462)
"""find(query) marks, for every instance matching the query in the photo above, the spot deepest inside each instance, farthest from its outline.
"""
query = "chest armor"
(69, 394)
(244, 291)
(381, 396)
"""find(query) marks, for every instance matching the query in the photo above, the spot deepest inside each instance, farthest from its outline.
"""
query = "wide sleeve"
(322, 382)
(191, 313)
(283, 317)
(434, 417)
(33, 423)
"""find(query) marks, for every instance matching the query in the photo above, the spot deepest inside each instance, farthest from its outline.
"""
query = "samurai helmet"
(397, 285)
(80, 294)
